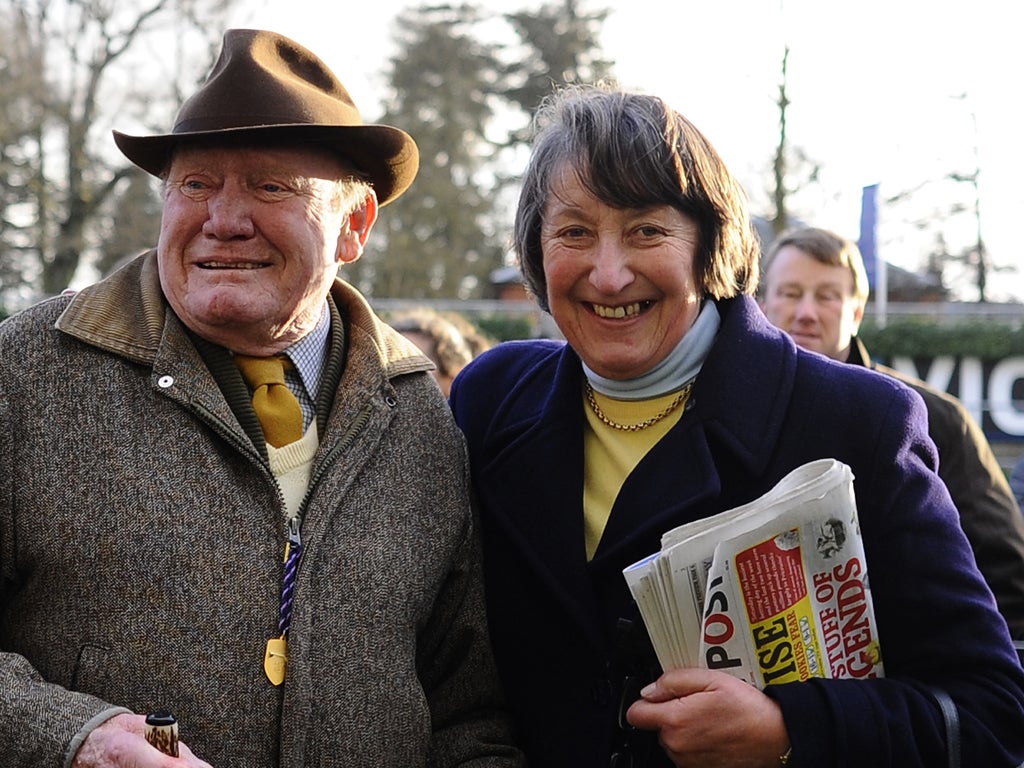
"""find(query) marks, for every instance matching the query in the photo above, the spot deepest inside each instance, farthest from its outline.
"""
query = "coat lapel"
(666, 489)
(539, 507)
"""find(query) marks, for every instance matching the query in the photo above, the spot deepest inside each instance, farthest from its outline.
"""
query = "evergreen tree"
(560, 47)
(467, 102)
(438, 240)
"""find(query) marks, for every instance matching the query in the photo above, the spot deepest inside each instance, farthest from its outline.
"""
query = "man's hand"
(121, 743)
(711, 720)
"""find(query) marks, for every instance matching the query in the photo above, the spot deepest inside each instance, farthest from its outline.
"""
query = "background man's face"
(812, 302)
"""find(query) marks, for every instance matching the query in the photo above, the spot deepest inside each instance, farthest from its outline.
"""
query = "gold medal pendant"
(276, 659)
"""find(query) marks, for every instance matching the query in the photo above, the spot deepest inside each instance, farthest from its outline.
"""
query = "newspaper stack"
(774, 591)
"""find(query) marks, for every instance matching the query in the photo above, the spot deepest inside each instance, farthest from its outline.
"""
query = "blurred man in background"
(815, 288)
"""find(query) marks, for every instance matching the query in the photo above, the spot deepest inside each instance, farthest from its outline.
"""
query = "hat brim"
(386, 156)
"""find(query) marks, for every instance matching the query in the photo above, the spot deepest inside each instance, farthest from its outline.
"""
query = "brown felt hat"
(265, 87)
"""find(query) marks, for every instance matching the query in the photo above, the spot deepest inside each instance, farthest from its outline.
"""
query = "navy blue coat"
(760, 407)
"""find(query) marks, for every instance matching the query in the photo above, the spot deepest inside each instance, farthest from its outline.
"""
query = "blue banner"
(868, 225)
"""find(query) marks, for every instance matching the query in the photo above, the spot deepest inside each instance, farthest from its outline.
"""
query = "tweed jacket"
(989, 512)
(759, 408)
(141, 543)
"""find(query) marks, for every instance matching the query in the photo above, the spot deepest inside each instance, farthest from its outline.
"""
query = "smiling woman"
(671, 400)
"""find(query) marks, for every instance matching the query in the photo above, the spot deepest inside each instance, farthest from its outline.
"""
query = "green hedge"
(922, 338)
(906, 337)
(504, 327)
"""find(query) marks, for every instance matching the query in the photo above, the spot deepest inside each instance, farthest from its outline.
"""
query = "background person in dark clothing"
(815, 288)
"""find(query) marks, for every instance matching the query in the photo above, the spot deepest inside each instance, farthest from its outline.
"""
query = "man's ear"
(356, 230)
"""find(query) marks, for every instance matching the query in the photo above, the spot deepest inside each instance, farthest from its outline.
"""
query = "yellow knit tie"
(276, 407)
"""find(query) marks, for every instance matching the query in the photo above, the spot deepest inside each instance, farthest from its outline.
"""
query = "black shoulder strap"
(952, 721)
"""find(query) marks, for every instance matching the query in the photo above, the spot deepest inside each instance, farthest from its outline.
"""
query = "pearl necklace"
(676, 402)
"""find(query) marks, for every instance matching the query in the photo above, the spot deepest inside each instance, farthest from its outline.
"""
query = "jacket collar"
(748, 378)
(859, 354)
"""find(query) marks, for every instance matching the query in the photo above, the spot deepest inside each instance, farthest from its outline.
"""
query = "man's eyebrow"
(291, 178)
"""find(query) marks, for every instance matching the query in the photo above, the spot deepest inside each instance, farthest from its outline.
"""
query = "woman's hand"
(120, 742)
(711, 720)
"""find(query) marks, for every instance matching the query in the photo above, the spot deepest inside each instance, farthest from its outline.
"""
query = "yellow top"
(610, 454)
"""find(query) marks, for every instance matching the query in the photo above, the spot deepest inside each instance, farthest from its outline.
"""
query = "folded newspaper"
(774, 591)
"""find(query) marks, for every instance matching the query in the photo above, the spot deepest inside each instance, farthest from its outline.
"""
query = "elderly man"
(288, 564)
(815, 288)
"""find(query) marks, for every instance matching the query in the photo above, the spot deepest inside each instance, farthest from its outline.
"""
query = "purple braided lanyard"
(291, 565)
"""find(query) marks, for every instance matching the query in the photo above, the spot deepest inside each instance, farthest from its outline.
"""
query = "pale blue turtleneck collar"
(670, 375)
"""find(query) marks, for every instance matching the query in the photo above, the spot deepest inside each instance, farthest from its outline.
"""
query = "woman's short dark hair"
(633, 151)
